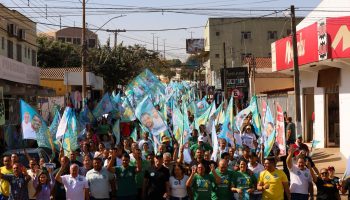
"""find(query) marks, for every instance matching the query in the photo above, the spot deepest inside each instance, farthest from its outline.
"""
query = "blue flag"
(103, 107)
(70, 138)
(255, 115)
(34, 126)
(150, 117)
(269, 133)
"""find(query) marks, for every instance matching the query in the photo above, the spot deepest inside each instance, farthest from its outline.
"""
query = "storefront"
(324, 63)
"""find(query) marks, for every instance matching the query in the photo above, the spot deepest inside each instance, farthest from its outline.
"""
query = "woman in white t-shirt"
(178, 183)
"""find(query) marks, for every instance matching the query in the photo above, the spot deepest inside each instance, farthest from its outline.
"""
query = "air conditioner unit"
(12, 29)
(22, 34)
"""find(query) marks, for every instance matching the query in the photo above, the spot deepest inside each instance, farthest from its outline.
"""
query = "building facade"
(324, 63)
(19, 75)
(74, 35)
(243, 37)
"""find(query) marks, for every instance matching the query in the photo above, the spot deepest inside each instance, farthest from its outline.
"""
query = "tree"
(121, 64)
(53, 53)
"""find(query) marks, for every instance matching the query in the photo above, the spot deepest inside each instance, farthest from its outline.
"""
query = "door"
(332, 117)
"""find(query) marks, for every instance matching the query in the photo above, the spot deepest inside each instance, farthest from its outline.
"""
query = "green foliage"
(116, 65)
(57, 54)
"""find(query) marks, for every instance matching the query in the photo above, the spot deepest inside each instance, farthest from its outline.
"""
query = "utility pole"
(225, 85)
(157, 43)
(153, 40)
(84, 54)
(296, 73)
(116, 35)
(164, 48)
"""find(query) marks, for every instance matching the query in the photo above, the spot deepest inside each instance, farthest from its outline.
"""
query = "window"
(246, 35)
(3, 43)
(19, 52)
(272, 35)
(217, 33)
(62, 39)
(92, 43)
(10, 49)
(245, 55)
(69, 40)
(77, 41)
(217, 55)
(289, 32)
(33, 58)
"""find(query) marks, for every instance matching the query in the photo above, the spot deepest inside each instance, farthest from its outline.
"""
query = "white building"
(324, 63)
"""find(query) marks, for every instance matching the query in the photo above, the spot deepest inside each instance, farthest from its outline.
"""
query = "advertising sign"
(194, 45)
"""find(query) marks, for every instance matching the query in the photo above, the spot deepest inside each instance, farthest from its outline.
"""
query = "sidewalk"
(330, 157)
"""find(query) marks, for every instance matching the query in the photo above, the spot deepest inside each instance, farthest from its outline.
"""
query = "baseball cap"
(200, 139)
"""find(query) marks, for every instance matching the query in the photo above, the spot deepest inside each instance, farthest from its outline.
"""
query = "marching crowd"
(130, 170)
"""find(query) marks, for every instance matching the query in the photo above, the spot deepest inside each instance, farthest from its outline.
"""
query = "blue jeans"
(297, 196)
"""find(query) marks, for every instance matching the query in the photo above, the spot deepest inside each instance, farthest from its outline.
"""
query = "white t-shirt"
(74, 187)
(299, 180)
(31, 189)
(99, 183)
(178, 188)
(248, 139)
(256, 170)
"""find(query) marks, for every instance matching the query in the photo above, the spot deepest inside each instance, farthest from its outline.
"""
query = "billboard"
(194, 45)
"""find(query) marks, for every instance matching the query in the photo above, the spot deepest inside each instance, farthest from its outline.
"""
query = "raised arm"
(58, 177)
(190, 179)
(110, 165)
(313, 175)
(181, 157)
(216, 176)
(289, 157)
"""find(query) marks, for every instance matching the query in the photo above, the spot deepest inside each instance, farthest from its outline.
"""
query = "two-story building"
(19, 75)
(243, 37)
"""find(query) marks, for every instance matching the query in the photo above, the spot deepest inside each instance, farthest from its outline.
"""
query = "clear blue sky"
(182, 16)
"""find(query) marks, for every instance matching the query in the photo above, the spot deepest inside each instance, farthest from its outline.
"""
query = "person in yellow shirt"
(5, 185)
(273, 182)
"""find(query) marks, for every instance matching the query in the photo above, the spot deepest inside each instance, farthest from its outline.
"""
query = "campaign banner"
(241, 116)
(146, 83)
(178, 123)
(103, 107)
(70, 138)
(226, 130)
(255, 115)
(126, 111)
(280, 131)
(150, 117)
(34, 126)
(269, 132)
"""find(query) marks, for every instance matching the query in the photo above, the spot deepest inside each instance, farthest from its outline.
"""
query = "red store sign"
(326, 39)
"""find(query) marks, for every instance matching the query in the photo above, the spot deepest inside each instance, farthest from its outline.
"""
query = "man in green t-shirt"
(223, 189)
(126, 176)
(200, 145)
(145, 165)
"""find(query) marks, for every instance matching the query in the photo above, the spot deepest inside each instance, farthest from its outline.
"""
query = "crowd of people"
(131, 170)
